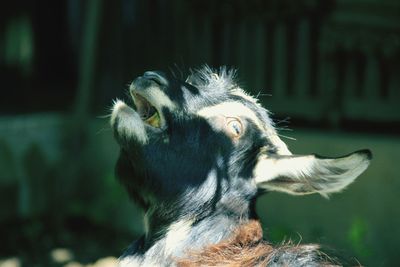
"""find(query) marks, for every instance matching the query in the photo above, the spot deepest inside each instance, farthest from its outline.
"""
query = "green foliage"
(357, 237)
(107, 199)
(19, 43)
(281, 233)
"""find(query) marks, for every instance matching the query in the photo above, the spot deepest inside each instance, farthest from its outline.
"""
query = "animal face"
(205, 144)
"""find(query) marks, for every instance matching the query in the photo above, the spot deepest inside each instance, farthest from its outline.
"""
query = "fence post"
(371, 78)
(279, 82)
(302, 65)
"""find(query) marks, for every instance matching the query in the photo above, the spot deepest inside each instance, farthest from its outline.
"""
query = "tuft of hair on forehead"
(219, 80)
(206, 78)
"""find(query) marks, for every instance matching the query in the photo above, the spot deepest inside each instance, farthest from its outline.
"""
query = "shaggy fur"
(246, 248)
(195, 155)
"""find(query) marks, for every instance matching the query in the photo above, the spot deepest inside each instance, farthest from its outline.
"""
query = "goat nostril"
(156, 76)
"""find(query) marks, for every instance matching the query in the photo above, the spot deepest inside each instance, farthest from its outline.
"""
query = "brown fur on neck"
(246, 248)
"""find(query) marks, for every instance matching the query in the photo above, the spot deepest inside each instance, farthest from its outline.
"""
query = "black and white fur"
(198, 174)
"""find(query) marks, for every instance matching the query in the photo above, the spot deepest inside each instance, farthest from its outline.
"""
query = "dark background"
(329, 70)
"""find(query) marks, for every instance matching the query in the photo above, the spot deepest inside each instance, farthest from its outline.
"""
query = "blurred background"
(329, 70)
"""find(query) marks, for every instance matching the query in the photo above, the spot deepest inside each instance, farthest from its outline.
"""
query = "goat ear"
(299, 175)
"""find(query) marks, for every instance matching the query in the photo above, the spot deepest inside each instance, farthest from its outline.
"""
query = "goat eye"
(235, 127)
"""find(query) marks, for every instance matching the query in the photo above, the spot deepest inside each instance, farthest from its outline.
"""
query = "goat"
(195, 155)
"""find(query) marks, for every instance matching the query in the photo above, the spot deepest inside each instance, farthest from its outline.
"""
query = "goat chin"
(247, 248)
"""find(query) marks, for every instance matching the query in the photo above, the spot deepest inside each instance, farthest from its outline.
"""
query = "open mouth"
(148, 113)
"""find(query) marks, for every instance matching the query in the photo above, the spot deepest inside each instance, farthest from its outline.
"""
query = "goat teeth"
(154, 120)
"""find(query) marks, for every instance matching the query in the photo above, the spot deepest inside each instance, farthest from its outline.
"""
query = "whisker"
(179, 70)
(285, 120)
(287, 137)
(171, 70)
(264, 95)
(103, 116)
(284, 128)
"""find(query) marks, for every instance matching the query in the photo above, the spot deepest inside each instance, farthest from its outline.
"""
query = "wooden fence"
(317, 61)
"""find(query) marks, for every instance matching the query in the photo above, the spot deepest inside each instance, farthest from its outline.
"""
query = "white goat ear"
(299, 175)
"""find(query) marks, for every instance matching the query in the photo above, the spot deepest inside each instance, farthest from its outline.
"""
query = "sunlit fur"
(310, 174)
(198, 183)
(126, 126)
(247, 248)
